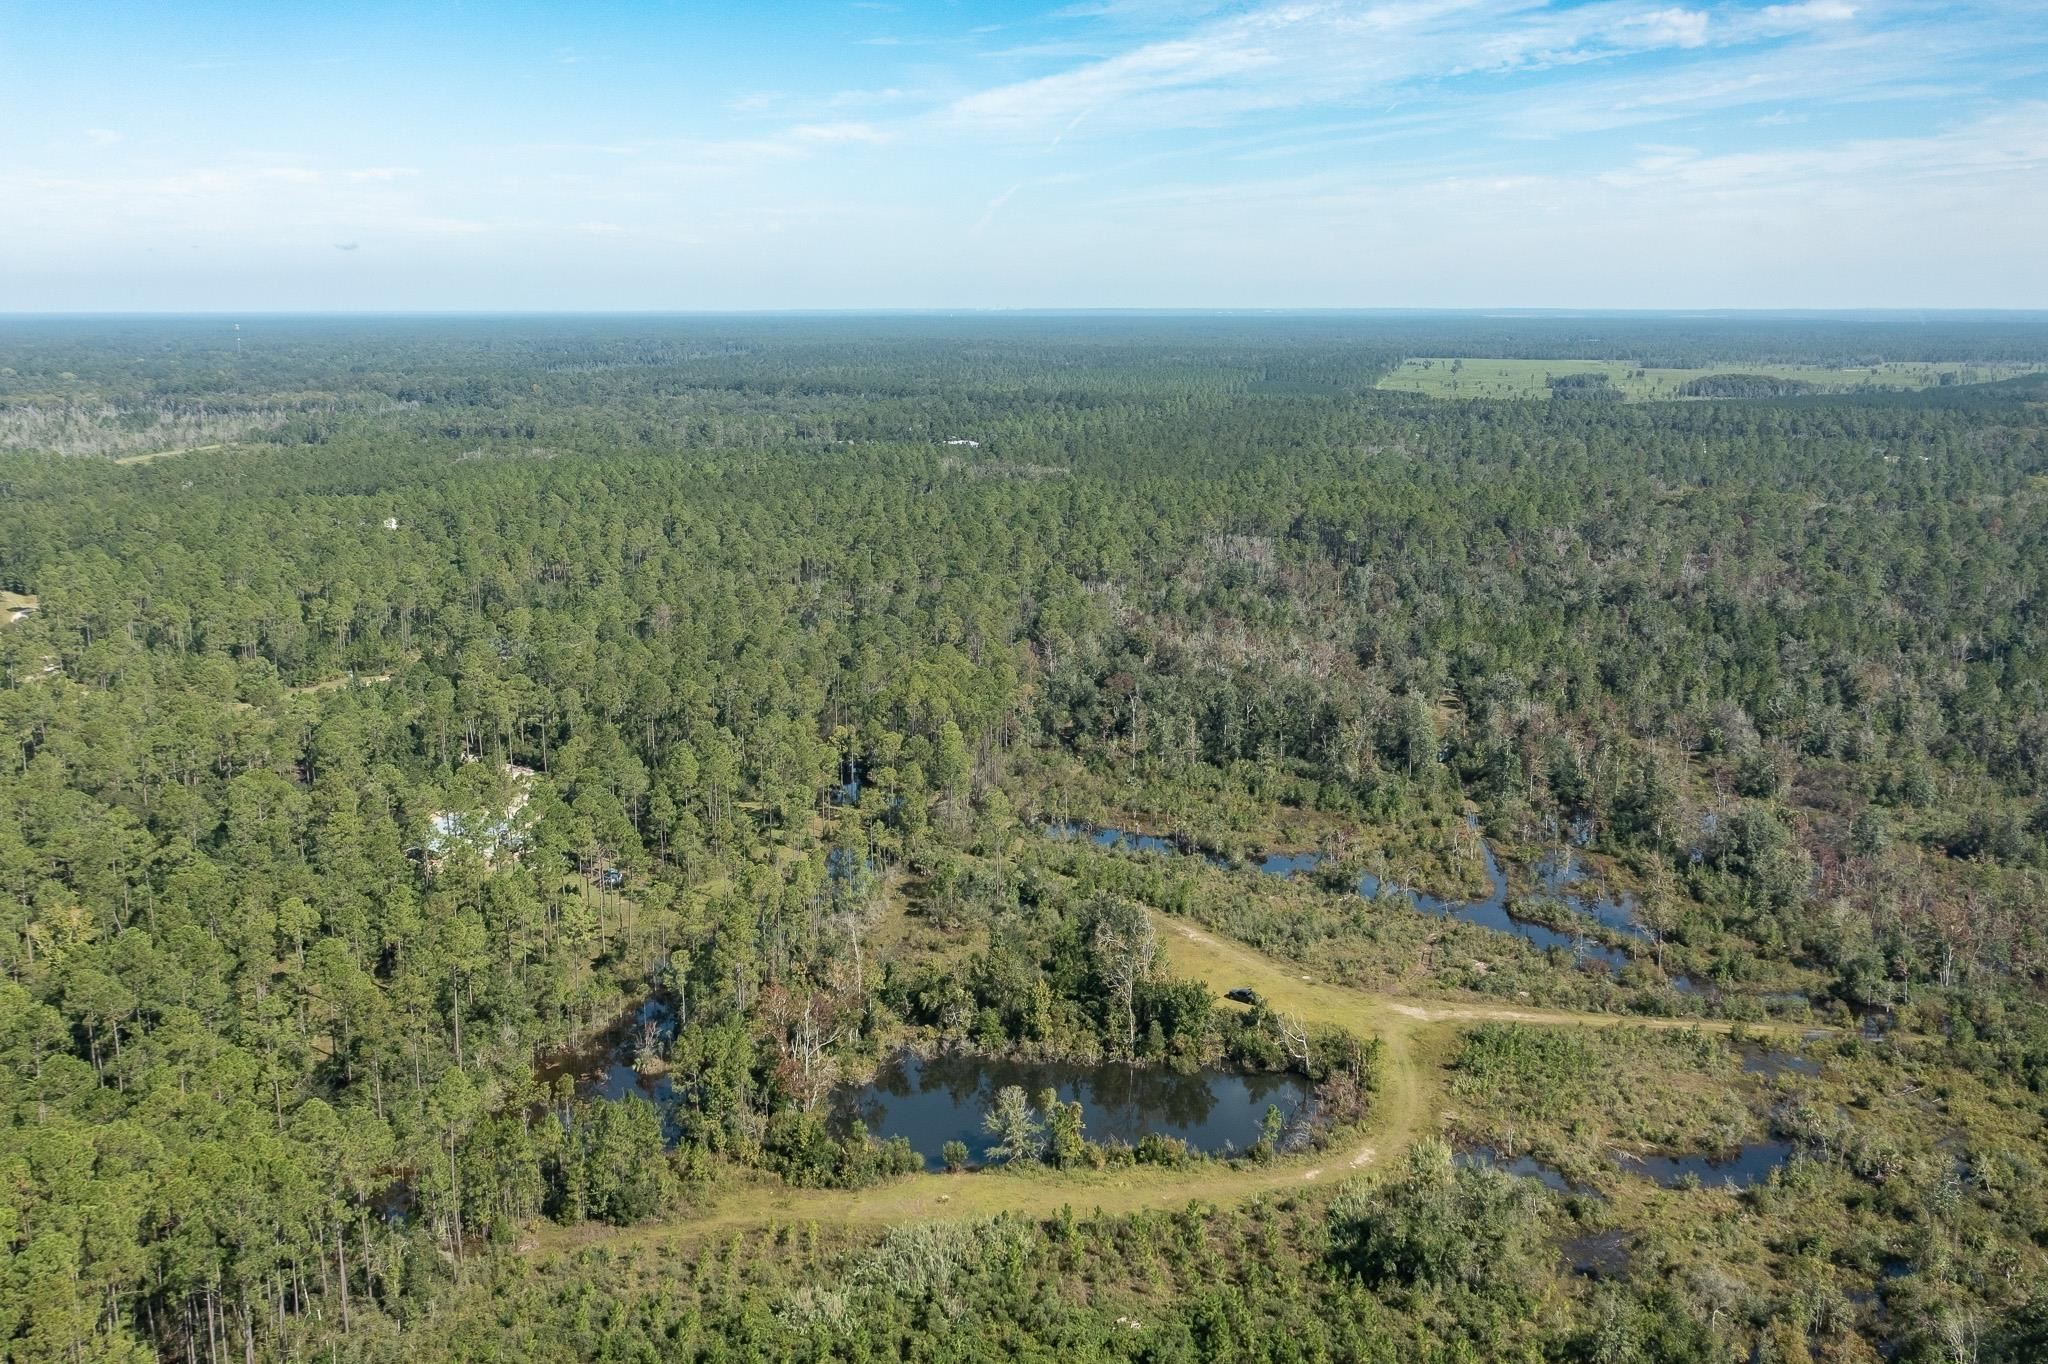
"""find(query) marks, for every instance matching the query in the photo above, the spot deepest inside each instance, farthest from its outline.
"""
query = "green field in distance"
(1444, 377)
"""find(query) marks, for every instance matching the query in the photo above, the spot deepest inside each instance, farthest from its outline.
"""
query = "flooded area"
(1598, 1255)
(1740, 1168)
(1758, 1060)
(603, 1067)
(1617, 913)
(1526, 1166)
(930, 1101)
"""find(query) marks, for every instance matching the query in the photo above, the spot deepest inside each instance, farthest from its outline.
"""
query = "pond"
(601, 1067)
(1526, 1166)
(1491, 912)
(1740, 1168)
(1558, 873)
(1759, 1060)
(1126, 840)
(930, 1101)
(934, 1101)
(1598, 1255)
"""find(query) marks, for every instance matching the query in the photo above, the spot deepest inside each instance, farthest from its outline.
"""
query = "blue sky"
(673, 154)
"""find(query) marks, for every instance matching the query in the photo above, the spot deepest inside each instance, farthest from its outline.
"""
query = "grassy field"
(149, 456)
(1438, 377)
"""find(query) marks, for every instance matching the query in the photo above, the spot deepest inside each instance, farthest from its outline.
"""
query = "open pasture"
(1453, 377)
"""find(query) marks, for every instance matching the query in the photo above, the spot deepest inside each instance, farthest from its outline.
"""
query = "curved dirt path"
(1404, 1110)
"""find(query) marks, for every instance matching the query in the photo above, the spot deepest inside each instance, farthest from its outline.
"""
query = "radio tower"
(238, 338)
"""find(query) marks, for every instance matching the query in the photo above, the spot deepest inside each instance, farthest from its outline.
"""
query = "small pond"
(930, 1101)
(1125, 840)
(602, 1066)
(1770, 1064)
(1742, 1167)
(1598, 1254)
(1557, 874)
(1526, 1166)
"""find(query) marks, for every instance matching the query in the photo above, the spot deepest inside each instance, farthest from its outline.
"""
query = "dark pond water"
(1126, 840)
(1558, 874)
(1490, 912)
(1528, 1167)
(396, 1203)
(933, 1100)
(1762, 1061)
(1598, 1255)
(1290, 863)
(602, 1067)
(1742, 1167)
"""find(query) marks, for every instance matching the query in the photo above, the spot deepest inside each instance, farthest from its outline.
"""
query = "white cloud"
(1674, 27)
(839, 132)
(1812, 12)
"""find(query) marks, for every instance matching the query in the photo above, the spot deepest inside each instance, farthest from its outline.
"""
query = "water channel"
(1614, 912)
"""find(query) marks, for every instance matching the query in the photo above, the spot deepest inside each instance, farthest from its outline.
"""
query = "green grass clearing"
(1445, 377)
(166, 454)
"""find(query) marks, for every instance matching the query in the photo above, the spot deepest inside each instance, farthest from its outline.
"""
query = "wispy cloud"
(839, 132)
(1162, 151)
(1302, 54)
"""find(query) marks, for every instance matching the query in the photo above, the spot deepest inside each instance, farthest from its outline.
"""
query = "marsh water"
(1554, 877)
(1759, 1060)
(930, 1101)
(602, 1067)
(1528, 1167)
(1741, 1167)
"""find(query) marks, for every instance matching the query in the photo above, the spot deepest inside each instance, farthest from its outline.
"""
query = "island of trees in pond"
(415, 726)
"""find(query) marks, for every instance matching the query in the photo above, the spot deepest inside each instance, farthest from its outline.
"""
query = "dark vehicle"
(1242, 995)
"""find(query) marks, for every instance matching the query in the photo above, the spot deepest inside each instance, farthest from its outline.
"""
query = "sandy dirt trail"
(1406, 1108)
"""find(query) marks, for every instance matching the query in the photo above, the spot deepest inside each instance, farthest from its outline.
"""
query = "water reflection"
(1290, 863)
(1525, 1166)
(1758, 1060)
(603, 1067)
(1740, 1168)
(933, 1100)
(1553, 875)
(1598, 1255)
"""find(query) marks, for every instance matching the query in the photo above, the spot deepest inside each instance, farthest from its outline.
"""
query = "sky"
(282, 155)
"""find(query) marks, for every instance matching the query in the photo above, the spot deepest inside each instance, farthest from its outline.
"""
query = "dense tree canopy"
(439, 690)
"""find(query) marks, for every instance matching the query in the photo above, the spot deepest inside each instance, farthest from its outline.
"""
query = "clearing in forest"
(1453, 377)
(1417, 1035)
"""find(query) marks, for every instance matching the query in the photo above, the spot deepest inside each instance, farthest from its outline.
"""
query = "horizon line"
(1507, 312)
